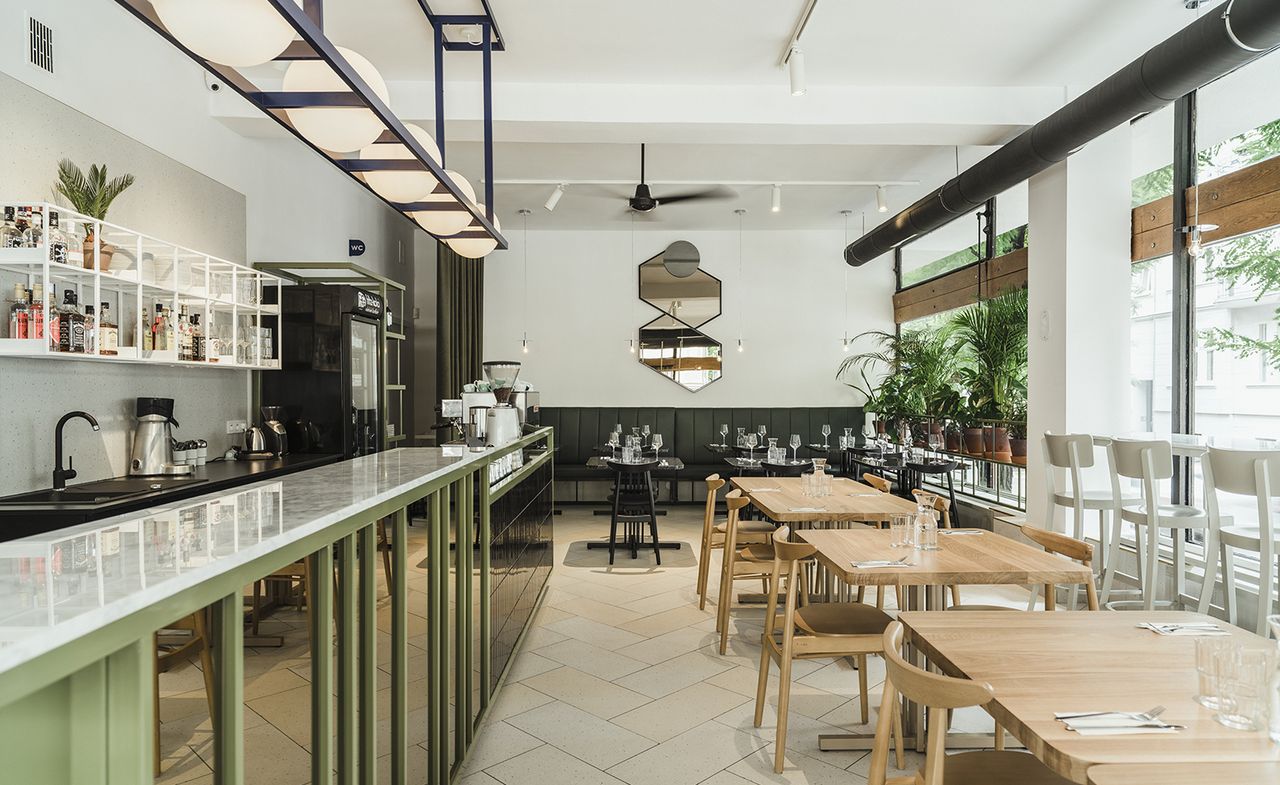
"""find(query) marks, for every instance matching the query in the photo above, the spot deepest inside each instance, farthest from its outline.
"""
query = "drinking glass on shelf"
(826, 436)
(751, 446)
(1212, 655)
(656, 441)
(795, 446)
(927, 531)
(724, 435)
(900, 524)
(644, 433)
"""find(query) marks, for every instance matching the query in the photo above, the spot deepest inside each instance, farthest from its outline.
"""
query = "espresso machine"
(152, 441)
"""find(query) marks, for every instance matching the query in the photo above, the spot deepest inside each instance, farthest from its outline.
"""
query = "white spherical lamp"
(238, 33)
(443, 223)
(475, 247)
(402, 186)
(340, 129)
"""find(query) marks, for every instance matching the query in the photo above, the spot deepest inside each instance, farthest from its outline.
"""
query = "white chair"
(1151, 463)
(1075, 452)
(1253, 473)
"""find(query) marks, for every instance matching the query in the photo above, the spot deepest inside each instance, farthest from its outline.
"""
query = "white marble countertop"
(59, 586)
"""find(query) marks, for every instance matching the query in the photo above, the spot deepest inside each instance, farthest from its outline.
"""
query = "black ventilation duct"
(1210, 47)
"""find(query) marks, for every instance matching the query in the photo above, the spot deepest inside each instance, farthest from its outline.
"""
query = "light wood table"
(1185, 774)
(1041, 663)
(982, 558)
(782, 499)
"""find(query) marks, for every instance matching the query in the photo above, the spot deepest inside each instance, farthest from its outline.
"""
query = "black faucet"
(61, 475)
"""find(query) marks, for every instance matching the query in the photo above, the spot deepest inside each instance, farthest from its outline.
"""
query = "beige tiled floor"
(618, 681)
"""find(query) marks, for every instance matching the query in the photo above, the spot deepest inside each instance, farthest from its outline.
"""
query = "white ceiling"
(894, 89)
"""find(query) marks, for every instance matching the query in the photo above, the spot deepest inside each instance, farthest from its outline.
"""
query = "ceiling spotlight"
(776, 204)
(882, 203)
(796, 63)
(554, 198)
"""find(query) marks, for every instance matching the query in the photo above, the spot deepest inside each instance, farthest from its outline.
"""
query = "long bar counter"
(79, 608)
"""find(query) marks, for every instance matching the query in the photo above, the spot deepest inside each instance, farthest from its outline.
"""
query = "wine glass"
(724, 435)
(826, 436)
(795, 446)
(657, 444)
(935, 442)
(644, 433)
(764, 434)
(613, 444)
(751, 445)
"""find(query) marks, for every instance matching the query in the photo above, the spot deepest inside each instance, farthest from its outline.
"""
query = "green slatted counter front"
(79, 609)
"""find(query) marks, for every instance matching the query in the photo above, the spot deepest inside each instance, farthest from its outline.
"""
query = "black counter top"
(219, 475)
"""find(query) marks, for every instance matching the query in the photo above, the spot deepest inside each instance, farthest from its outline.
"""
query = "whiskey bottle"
(35, 319)
(108, 333)
(71, 325)
(90, 330)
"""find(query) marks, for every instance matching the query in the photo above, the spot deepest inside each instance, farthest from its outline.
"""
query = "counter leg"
(399, 646)
(320, 596)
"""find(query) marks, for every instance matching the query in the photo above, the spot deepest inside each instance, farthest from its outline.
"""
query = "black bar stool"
(786, 469)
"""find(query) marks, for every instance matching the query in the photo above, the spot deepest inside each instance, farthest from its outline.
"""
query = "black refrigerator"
(330, 377)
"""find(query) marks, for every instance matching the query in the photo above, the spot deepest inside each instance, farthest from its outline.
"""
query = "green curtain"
(459, 320)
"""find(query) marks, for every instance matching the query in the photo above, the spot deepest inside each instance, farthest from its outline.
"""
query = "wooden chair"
(749, 563)
(942, 506)
(807, 630)
(1061, 544)
(296, 577)
(713, 535)
(877, 482)
(942, 694)
(199, 640)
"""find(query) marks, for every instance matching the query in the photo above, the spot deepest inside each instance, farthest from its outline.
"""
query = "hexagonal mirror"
(682, 354)
(672, 283)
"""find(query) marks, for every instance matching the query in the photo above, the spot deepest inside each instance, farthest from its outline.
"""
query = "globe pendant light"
(339, 129)
(402, 186)
(237, 33)
(443, 223)
(475, 247)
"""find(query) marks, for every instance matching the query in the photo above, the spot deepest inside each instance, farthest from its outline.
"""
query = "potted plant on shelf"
(994, 336)
(1018, 431)
(91, 195)
(920, 367)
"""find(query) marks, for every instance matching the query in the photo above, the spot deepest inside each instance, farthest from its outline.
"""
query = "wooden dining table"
(1185, 774)
(1041, 663)
(783, 500)
(966, 556)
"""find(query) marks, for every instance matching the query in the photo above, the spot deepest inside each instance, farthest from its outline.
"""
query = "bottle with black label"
(71, 325)
(197, 339)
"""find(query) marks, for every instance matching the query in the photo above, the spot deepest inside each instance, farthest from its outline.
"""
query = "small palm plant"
(91, 195)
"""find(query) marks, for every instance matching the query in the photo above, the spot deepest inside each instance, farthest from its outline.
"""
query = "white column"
(1078, 277)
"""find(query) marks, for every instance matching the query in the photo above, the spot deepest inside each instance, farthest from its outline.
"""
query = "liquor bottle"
(197, 339)
(59, 244)
(16, 237)
(186, 346)
(9, 229)
(19, 314)
(157, 328)
(170, 336)
(108, 333)
(90, 330)
(35, 320)
(54, 325)
(70, 325)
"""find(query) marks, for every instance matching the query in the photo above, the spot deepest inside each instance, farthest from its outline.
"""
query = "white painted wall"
(583, 306)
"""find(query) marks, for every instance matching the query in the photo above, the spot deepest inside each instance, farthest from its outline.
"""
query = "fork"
(1147, 716)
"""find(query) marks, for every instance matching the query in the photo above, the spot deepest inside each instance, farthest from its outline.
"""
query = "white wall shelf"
(139, 272)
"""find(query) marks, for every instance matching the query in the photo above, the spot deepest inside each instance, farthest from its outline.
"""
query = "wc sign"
(355, 247)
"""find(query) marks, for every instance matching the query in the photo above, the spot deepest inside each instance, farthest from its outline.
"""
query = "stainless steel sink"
(99, 492)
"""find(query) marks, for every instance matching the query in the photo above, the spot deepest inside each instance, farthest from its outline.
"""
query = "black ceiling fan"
(643, 201)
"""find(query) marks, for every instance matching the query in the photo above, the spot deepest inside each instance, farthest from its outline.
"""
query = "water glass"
(806, 484)
(826, 435)
(927, 532)
(724, 435)
(1245, 689)
(656, 441)
(824, 483)
(900, 526)
(1274, 693)
(1212, 658)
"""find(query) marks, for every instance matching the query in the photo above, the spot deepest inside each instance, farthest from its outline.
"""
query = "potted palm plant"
(91, 195)
(1018, 431)
(994, 335)
(920, 367)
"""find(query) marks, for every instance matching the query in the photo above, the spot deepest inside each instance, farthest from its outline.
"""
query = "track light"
(796, 63)
(554, 198)
(776, 205)
(882, 199)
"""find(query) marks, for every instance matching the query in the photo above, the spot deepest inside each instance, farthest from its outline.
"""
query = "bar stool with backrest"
(633, 507)
(1151, 463)
(739, 563)
(713, 535)
(1253, 473)
(941, 695)
(1075, 452)
(806, 630)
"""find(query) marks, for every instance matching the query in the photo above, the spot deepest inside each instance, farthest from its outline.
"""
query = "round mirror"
(681, 259)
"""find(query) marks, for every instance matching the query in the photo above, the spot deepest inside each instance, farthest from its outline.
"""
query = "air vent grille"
(40, 44)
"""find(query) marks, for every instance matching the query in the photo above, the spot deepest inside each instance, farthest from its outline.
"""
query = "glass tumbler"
(900, 530)
(1212, 659)
(1245, 689)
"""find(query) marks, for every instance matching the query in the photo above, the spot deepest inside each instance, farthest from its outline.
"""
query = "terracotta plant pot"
(881, 427)
(1018, 447)
(105, 252)
(973, 441)
(996, 445)
(954, 441)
